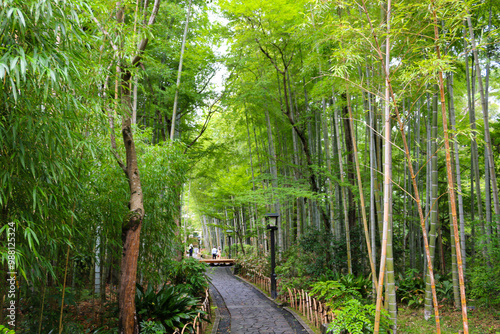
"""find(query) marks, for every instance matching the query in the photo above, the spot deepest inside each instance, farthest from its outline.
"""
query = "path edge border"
(215, 326)
(293, 313)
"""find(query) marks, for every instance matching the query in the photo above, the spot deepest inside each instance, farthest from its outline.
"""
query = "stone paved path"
(249, 310)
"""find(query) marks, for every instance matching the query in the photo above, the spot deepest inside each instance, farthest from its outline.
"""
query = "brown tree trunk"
(131, 230)
(132, 222)
(349, 147)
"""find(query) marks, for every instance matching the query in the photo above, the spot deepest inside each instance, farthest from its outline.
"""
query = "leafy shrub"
(351, 314)
(361, 283)
(151, 327)
(5, 330)
(334, 293)
(171, 305)
(191, 274)
(444, 289)
(356, 318)
(105, 330)
(411, 288)
(485, 285)
(315, 250)
(254, 259)
(323, 255)
(291, 271)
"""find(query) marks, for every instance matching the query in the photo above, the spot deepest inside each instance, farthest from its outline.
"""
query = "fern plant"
(334, 293)
(356, 318)
(351, 315)
(170, 306)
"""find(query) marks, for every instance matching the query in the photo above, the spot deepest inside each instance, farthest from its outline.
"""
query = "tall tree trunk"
(454, 270)
(344, 200)
(253, 217)
(474, 148)
(274, 173)
(362, 197)
(132, 222)
(434, 219)
(179, 72)
(131, 230)
(487, 137)
(454, 267)
(349, 167)
(449, 171)
(373, 176)
(461, 214)
(386, 229)
(326, 138)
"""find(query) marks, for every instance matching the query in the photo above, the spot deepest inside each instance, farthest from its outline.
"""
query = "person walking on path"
(214, 253)
(191, 250)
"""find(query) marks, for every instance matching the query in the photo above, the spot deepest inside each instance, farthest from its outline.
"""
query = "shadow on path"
(245, 310)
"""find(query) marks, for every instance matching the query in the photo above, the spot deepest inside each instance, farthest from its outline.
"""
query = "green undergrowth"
(481, 321)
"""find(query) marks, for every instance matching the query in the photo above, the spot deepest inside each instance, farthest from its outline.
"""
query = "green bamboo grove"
(131, 129)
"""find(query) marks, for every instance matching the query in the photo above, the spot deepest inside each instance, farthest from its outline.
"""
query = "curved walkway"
(245, 310)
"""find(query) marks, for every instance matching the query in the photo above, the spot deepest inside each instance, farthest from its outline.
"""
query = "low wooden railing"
(263, 282)
(201, 321)
(316, 312)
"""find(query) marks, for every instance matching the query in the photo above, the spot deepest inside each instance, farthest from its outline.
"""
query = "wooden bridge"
(218, 262)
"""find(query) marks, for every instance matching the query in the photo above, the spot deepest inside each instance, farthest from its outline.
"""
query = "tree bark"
(132, 222)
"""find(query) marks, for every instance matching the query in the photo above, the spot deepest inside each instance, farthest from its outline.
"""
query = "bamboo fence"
(201, 321)
(316, 312)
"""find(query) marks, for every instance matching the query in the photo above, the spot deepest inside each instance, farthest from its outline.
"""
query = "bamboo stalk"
(451, 188)
(344, 198)
(361, 196)
(415, 186)
(41, 311)
(387, 176)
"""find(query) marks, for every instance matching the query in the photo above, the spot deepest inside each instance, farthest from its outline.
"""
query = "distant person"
(219, 251)
(191, 250)
(214, 253)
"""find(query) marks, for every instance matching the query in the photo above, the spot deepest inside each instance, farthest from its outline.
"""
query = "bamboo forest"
(332, 164)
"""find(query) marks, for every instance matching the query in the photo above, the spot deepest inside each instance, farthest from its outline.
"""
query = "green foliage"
(255, 260)
(5, 330)
(170, 305)
(485, 278)
(291, 270)
(444, 289)
(347, 302)
(190, 274)
(356, 318)
(151, 327)
(44, 126)
(411, 288)
(51, 300)
(360, 283)
(105, 330)
(163, 173)
(334, 293)
(316, 252)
